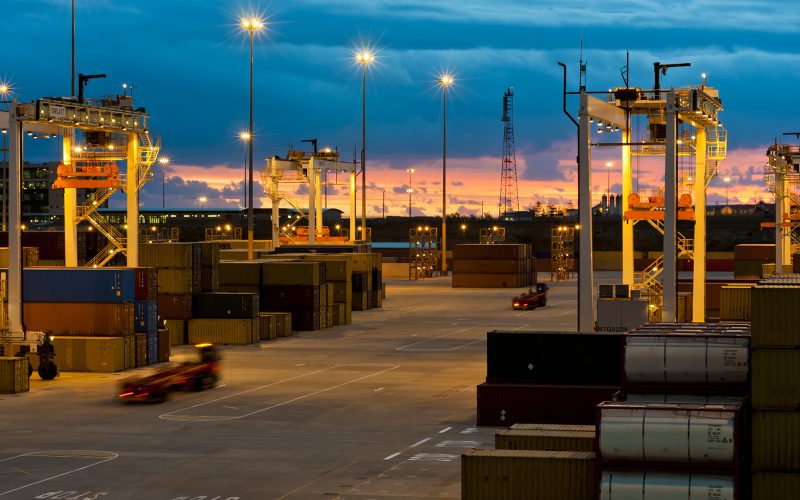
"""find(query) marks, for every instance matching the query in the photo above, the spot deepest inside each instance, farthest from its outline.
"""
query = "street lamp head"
(202, 199)
(446, 79)
(5, 88)
(244, 135)
(410, 170)
(726, 179)
(163, 160)
(609, 164)
(365, 57)
(252, 24)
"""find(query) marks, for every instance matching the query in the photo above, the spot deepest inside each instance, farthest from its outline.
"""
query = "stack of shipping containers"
(749, 260)
(492, 266)
(776, 388)
(548, 377)
(91, 313)
(176, 263)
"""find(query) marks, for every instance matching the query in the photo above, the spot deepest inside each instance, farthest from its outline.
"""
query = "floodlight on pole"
(365, 58)
(163, 161)
(445, 80)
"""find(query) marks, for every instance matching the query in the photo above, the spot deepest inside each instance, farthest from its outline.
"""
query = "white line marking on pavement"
(405, 347)
(172, 415)
(378, 389)
(432, 457)
(419, 442)
(459, 444)
(445, 430)
(392, 456)
(63, 454)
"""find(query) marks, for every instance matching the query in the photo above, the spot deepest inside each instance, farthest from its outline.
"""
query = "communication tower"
(509, 191)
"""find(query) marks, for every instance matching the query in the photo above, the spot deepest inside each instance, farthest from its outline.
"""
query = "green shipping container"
(513, 439)
(291, 273)
(223, 331)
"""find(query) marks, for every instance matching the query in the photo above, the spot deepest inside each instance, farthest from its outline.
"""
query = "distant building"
(517, 216)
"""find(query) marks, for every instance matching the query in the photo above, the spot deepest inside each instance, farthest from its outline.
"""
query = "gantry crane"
(113, 131)
(698, 144)
(782, 176)
(301, 168)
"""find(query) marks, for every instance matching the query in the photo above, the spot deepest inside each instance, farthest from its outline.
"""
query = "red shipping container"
(145, 283)
(509, 404)
(175, 306)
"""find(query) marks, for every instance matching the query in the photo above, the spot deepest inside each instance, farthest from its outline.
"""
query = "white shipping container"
(640, 485)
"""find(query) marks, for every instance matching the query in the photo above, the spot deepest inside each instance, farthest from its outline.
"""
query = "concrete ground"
(381, 408)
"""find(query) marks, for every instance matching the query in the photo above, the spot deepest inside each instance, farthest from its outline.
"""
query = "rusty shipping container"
(13, 375)
(175, 306)
(105, 319)
(515, 439)
(776, 379)
(775, 316)
(775, 485)
(776, 440)
(527, 474)
(223, 331)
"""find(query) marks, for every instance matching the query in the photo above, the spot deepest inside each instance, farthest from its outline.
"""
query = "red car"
(536, 297)
(198, 375)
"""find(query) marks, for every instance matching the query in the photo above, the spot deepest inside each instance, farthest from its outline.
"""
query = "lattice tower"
(509, 190)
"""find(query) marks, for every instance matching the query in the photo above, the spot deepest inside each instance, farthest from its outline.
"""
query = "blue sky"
(188, 63)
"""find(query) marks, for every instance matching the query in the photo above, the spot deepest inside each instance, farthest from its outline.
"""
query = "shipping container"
(175, 306)
(487, 266)
(639, 433)
(177, 331)
(141, 349)
(152, 347)
(283, 297)
(754, 251)
(209, 279)
(269, 326)
(163, 345)
(146, 284)
(776, 440)
(590, 429)
(641, 485)
(487, 281)
(343, 292)
(508, 404)
(13, 375)
(775, 485)
(30, 257)
(747, 269)
(776, 378)
(105, 319)
(175, 281)
(775, 316)
(527, 474)
(130, 351)
(145, 314)
(339, 317)
(514, 439)
(292, 273)
(500, 251)
(90, 354)
(240, 273)
(680, 359)
(222, 331)
(226, 305)
(209, 253)
(734, 303)
(166, 255)
(554, 358)
(49, 284)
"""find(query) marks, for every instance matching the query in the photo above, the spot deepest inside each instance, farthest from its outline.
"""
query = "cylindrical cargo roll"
(680, 433)
(686, 359)
(639, 485)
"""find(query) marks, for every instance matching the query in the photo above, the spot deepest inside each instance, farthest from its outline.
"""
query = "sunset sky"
(187, 61)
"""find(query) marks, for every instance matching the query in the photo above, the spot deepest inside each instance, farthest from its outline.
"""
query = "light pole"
(726, 180)
(251, 26)
(445, 80)
(410, 190)
(245, 138)
(163, 161)
(365, 58)
(5, 89)
(383, 203)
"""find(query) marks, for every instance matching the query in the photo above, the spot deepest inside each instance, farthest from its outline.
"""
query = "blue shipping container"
(145, 315)
(152, 348)
(78, 285)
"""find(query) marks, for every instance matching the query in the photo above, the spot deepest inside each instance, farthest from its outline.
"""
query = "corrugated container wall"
(775, 485)
(13, 375)
(776, 316)
(78, 285)
(776, 440)
(776, 378)
(529, 475)
(513, 439)
(100, 318)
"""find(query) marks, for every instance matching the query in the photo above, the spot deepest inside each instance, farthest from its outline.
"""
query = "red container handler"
(706, 441)
(504, 405)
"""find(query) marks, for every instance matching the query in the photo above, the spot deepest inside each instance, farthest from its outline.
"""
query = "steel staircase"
(647, 280)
